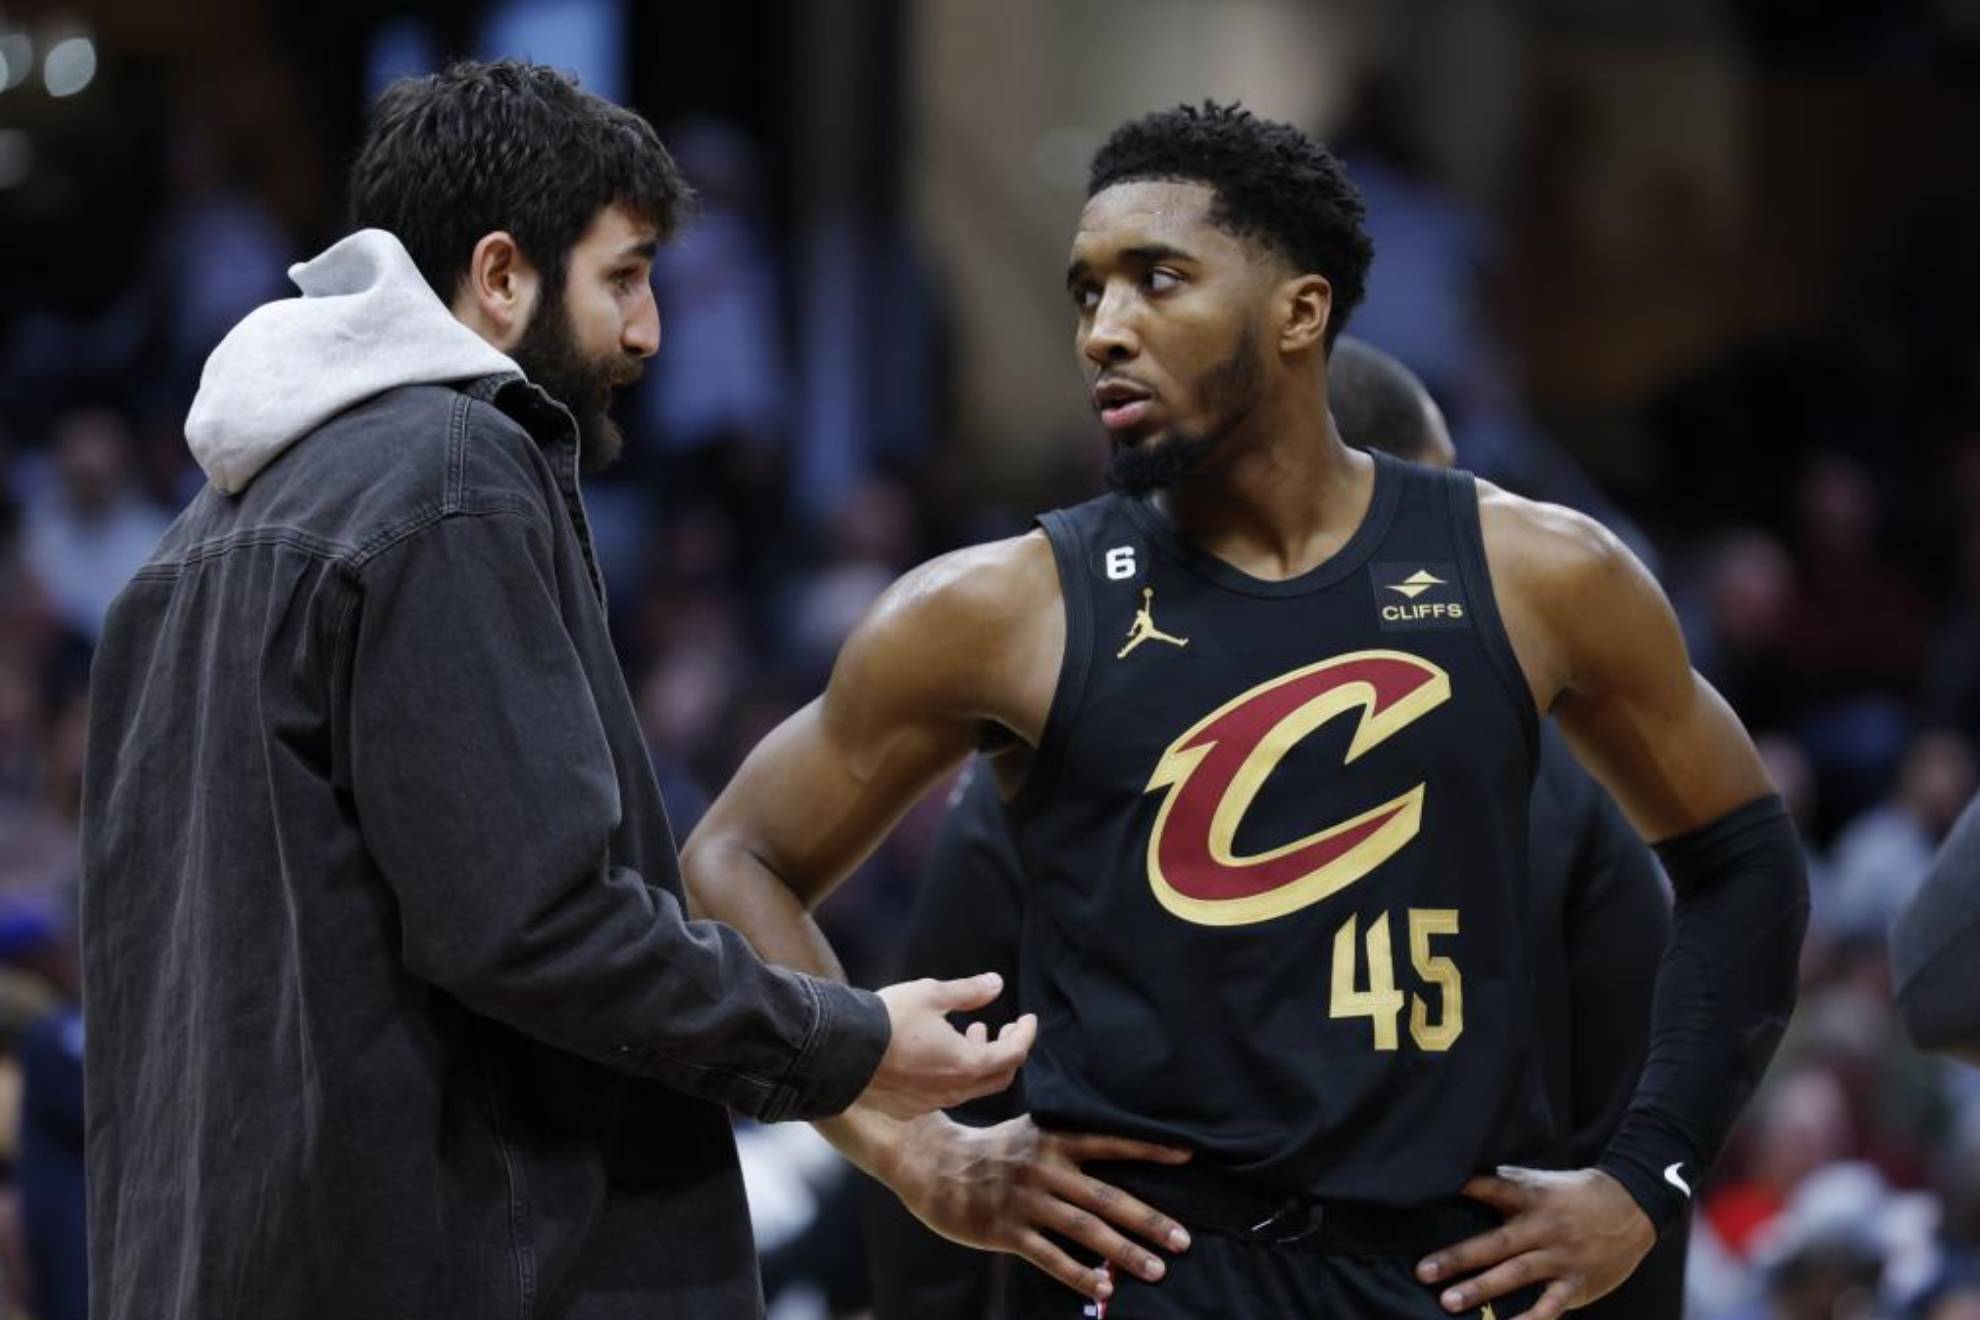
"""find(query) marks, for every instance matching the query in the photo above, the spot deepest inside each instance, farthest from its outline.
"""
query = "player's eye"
(1085, 296)
(1161, 279)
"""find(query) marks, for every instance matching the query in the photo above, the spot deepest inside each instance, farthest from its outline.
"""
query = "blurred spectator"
(40, 860)
(1858, 620)
(28, 620)
(1855, 640)
(723, 377)
(871, 541)
(1802, 1122)
(1734, 622)
(20, 730)
(219, 254)
(40, 856)
(1955, 1295)
(1880, 859)
(1788, 766)
(92, 528)
(680, 709)
(1436, 250)
(1847, 1245)
(51, 1163)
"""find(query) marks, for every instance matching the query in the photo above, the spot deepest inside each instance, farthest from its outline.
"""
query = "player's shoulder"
(1549, 549)
(987, 579)
(972, 598)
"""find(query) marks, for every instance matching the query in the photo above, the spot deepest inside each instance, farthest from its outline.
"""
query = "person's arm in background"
(1935, 948)
(1618, 919)
(967, 913)
(487, 793)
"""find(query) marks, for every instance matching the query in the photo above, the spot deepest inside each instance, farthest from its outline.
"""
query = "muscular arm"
(969, 640)
(1682, 768)
(1601, 649)
(966, 641)
(939, 655)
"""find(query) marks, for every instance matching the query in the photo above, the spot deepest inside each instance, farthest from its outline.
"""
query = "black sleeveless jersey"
(1275, 839)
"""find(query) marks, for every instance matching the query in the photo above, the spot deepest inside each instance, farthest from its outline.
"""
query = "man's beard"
(1229, 392)
(549, 355)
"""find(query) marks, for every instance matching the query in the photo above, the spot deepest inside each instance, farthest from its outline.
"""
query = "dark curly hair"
(1272, 183)
(456, 155)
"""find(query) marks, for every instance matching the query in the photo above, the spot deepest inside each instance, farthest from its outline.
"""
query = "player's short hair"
(484, 146)
(1272, 183)
(1378, 403)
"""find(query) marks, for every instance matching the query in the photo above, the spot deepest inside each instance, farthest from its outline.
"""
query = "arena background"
(1704, 268)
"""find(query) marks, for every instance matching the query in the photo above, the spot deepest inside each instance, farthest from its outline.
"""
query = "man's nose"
(641, 336)
(1111, 336)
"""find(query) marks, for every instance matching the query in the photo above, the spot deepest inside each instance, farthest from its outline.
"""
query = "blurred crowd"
(1821, 540)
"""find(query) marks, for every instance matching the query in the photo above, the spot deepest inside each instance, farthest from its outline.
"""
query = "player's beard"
(549, 355)
(1229, 391)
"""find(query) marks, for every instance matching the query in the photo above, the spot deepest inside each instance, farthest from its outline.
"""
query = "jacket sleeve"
(1935, 947)
(486, 792)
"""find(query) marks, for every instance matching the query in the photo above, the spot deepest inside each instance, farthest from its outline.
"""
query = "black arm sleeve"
(1724, 993)
(1935, 947)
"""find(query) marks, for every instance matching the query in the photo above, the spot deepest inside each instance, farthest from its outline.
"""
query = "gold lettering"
(1381, 1003)
(1438, 971)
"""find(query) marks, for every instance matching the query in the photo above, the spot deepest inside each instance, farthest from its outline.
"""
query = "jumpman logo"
(1143, 628)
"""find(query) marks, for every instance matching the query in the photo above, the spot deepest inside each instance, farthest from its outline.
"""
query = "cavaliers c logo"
(1215, 771)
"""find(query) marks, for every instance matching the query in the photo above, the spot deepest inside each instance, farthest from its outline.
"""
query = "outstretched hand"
(1576, 1231)
(929, 1064)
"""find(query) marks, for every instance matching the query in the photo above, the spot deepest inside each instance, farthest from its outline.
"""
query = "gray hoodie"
(367, 322)
(393, 1007)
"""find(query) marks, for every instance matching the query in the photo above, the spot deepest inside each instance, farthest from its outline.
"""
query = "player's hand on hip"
(929, 1064)
(1006, 1188)
(1576, 1231)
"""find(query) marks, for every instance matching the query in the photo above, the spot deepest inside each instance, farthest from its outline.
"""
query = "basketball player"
(1274, 910)
(1596, 920)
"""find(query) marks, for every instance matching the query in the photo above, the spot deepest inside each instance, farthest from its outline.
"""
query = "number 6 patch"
(1119, 563)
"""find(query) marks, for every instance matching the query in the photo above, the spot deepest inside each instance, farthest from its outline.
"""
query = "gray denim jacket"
(392, 1006)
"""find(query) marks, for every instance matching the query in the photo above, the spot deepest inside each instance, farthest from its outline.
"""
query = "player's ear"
(498, 291)
(1306, 305)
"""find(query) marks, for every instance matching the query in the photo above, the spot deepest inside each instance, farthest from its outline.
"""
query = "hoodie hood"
(367, 322)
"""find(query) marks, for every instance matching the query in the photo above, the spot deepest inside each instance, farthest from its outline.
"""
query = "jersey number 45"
(1381, 1003)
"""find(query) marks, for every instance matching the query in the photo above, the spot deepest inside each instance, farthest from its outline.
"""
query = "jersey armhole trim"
(1064, 539)
(1468, 537)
